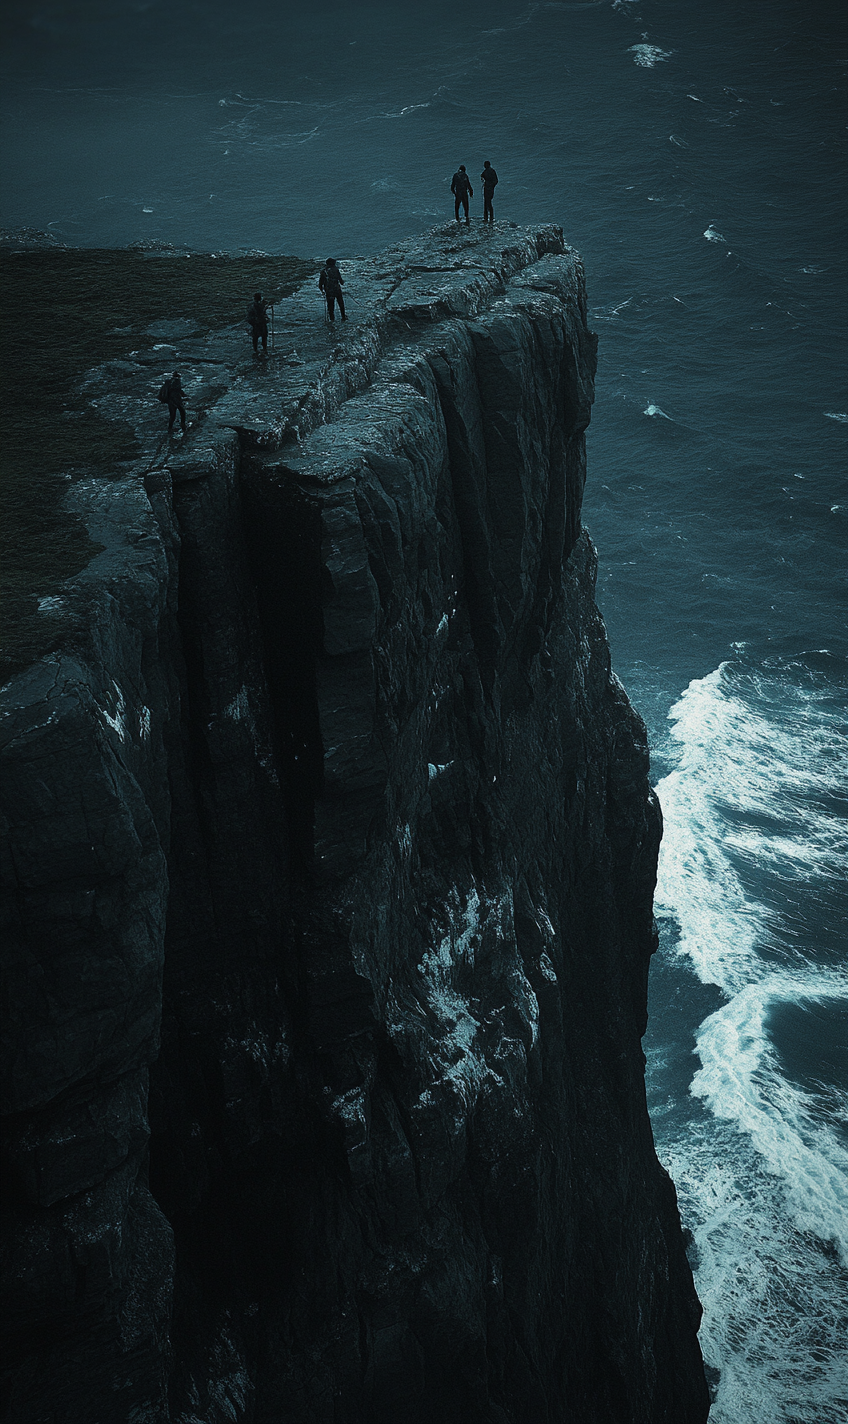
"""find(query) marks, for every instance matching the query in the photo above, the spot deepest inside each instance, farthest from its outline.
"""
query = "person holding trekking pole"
(489, 179)
(330, 282)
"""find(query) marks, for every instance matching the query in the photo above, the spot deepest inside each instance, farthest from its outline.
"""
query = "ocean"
(693, 151)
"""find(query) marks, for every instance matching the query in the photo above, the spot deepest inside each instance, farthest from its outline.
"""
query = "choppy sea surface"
(694, 153)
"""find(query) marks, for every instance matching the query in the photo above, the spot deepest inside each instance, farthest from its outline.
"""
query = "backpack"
(165, 391)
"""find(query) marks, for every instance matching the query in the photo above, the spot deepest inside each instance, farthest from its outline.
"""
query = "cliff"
(328, 866)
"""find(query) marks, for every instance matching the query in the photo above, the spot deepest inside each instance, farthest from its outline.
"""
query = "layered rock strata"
(333, 822)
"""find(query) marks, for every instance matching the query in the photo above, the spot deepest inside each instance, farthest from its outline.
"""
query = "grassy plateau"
(64, 311)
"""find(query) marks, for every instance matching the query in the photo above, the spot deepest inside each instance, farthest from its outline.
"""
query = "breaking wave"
(750, 874)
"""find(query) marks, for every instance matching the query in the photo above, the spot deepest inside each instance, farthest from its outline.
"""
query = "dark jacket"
(175, 395)
(257, 314)
(330, 281)
(461, 184)
(489, 178)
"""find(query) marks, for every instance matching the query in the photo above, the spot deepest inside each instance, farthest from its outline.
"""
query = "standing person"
(462, 191)
(489, 179)
(172, 392)
(257, 317)
(331, 283)
(172, 395)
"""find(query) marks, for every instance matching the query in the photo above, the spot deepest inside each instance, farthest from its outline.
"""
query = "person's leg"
(172, 412)
(264, 338)
(331, 303)
(456, 206)
(182, 411)
(341, 307)
(254, 331)
(465, 206)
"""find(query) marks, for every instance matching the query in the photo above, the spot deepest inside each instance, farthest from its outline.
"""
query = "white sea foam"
(654, 410)
(713, 236)
(751, 796)
(750, 820)
(774, 1315)
(837, 415)
(647, 55)
(408, 109)
(740, 1080)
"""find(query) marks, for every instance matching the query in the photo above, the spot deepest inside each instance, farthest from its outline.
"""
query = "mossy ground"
(61, 313)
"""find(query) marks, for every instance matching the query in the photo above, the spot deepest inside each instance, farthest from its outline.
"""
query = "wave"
(647, 55)
(774, 1320)
(755, 797)
(751, 867)
(741, 1081)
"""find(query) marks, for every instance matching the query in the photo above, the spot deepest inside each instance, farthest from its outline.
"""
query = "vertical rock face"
(340, 826)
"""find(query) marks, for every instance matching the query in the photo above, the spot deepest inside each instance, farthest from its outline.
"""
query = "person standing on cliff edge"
(257, 320)
(331, 282)
(462, 191)
(489, 179)
(172, 392)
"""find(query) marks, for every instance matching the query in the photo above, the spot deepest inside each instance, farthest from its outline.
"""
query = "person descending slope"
(462, 191)
(331, 282)
(489, 179)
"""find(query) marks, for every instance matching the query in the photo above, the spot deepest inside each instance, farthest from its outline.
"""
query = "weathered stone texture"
(343, 751)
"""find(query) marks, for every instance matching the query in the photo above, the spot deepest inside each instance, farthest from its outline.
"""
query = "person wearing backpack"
(257, 320)
(173, 395)
(489, 179)
(331, 282)
(462, 191)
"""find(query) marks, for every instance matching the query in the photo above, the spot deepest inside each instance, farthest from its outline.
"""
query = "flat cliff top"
(65, 312)
(81, 437)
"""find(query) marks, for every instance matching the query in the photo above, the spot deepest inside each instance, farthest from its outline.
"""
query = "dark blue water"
(694, 152)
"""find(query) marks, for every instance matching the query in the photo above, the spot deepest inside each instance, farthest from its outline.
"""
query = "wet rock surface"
(332, 822)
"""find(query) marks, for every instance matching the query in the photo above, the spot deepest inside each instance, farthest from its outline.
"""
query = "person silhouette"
(330, 282)
(257, 320)
(462, 191)
(489, 179)
(172, 392)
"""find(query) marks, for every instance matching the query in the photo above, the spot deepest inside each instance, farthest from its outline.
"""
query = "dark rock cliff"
(329, 855)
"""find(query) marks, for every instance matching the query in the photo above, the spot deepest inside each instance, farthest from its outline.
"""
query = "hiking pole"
(272, 326)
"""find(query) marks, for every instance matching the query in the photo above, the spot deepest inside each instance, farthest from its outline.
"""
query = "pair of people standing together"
(462, 191)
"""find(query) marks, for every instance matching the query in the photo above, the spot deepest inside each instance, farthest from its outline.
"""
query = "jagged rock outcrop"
(335, 822)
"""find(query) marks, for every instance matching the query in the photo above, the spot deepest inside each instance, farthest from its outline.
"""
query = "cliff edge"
(328, 861)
